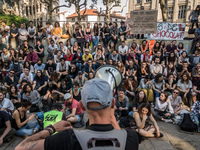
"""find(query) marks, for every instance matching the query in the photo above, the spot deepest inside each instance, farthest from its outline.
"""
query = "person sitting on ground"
(63, 48)
(139, 99)
(10, 79)
(75, 112)
(184, 85)
(81, 79)
(141, 117)
(6, 104)
(158, 85)
(86, 56)
(170, 83)
(52, 48)
(31, 95)
(6, 131)
(102, 119)
(21, 121)
(156, 67)
(53, 116)
(14, 95)
(62, 67)
(50, 67)
(76, 91)
(146, 86)
(49, 99)
(176, 102)
(163, 109)
(32, 56)
(115, 56)
(57, 32)
(122, 104)
(40, 83)
(73, 70)
(39, 49)
(26, 76)
(196, 109)
(39, 65)
(54, 82)
(89, 66)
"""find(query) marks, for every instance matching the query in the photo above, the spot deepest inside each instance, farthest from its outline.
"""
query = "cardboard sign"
(143, 21)
(169, 31)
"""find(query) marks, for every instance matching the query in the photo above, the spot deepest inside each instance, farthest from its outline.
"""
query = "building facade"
(177, 10)
(35, 10)
(92, 16)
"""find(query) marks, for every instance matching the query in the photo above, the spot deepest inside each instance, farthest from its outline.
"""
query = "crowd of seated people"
(158, 83)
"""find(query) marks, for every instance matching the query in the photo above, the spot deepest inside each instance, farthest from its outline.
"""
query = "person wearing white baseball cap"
(103, 132)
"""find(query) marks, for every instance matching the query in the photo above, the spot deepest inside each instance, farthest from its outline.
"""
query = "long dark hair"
(54, 76)
(172, 59)
(198, 6)
(155, 46)
(96, 28)
(26, 103)
(188, 78)
(137, 97)
(107, 28)
(161, 42)
(171, 70)
(157, 77)
(12, 85)
(145, 105)
(179, 45)
(7, 66)
(166, 95)
(25, 87)
(39, 78)
(25, 66)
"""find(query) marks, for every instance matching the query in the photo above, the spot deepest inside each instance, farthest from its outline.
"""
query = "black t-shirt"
(179, 69)
(66, 140)
(41, 47)
(197, 84)
(161, 59)
(131, 69)
(50, 68)
(167, 81)
(3, 118)
(9, 81)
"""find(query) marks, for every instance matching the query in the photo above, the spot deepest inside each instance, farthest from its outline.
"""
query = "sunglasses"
(12, 72)
(176, 93)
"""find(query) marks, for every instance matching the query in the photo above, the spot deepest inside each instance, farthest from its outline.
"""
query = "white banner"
(169, 31)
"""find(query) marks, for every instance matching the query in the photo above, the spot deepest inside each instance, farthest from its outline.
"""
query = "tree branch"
(60, 6)
(113, 7)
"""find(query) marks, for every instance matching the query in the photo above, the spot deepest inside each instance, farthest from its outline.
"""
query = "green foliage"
(12, 18)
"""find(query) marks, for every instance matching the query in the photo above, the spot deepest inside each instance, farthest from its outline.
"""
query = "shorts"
(78, 117)
(48, 35)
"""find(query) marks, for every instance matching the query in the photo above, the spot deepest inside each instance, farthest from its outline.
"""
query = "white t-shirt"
(184, 86)
(53, 47)
(6, 103)
(6, 28)
(123, 50)
(49, 29)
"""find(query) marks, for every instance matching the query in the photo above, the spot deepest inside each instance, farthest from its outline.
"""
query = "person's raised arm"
(36, 141)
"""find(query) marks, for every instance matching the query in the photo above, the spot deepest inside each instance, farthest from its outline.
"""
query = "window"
(40, 7)
(73, 19)
(138, 1)
(30, 10)
(170, 13)
(26, 11)
(34, 9)
(148, 1)
(37, 8)
(182, 12)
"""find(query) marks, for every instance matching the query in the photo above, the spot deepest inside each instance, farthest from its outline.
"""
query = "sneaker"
(168, 120)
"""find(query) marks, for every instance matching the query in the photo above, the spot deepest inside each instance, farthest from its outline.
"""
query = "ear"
(113, 103)
(81, 105)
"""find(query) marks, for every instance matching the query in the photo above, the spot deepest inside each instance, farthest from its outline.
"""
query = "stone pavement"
(173, 139)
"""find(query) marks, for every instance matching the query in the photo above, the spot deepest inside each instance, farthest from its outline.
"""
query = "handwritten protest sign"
(143, 21)
(169, 31)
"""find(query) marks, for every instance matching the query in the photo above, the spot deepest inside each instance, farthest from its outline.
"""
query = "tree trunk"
(107, 12)
(163, 9)
(78, 12)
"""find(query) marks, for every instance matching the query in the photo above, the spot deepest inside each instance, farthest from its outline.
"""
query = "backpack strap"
(88, 139)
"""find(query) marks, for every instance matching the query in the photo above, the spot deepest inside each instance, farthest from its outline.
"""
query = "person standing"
(193, 17)
(5, 31)
(97, 100)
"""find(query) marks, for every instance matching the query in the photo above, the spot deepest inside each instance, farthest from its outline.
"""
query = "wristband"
(50, 132)
(50, 126)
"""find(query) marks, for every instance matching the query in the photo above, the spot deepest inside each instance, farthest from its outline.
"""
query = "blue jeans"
(95, 41)
(79, 65)
(28, 129)
(156, 94)
(196, 117)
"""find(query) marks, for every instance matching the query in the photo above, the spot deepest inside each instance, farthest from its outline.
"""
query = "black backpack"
(187, 123)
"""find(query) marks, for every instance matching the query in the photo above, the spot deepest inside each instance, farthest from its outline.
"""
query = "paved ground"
(173, 140)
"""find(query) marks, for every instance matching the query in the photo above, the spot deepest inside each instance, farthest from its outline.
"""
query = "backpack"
(188, 123)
